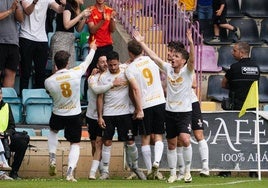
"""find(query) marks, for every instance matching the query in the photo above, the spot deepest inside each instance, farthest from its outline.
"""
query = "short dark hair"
(183, 52)
(134, 47)
(112, 55)
(243, 47)
(175, 45)
(61, 59)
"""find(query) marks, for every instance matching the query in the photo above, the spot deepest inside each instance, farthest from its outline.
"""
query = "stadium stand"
(264, 30)
(209, 59)
(255, 9)
(10, 96)
(265, 107)
(208, 106)
(214, 91)
(81, 42)
(259, 55)
(233, 9)
(225, 58)
(223, 36)
(37, 105)
(249, 31)
(45, 131)
(30, 131)
(263, 89)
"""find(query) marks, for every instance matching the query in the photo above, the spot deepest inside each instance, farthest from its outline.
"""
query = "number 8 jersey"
(64, 87)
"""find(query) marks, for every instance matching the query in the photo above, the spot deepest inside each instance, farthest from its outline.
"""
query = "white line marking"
(217, 184)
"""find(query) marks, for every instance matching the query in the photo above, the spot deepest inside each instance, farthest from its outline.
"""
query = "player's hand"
(95, 71)
(139, 115)
(119, 82)
(101, 123)
(14, 5)
(93, 45)
(137, 36)
(189, 35)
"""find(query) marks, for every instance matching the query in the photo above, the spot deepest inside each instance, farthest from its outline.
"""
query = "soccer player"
(143, 75)
(114, 111)
(64, 87)
(94, 130)
(178, 105)
(198, 130)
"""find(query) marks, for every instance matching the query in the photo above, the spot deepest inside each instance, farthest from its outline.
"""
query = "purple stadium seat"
(209, 60)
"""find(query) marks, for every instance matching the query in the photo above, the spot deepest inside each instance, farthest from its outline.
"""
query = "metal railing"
(160, 21)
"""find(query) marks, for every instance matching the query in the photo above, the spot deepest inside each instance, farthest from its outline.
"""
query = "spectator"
(101, 24)
(64, 88)
(33, 40)
(10, 13)
(204, 9)
(239, 78)
(18, 140)
(219, 20)
(204, 15)
(188, 5)
(72, 18)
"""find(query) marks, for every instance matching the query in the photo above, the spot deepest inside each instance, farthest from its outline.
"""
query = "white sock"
(146, 154)
(3, 159)
(203, 150)
(94, 167)
(158, 151)
(187, 155)
(180, 160)
(73, 156)
(106, 155)
(52, 141)
(101, 166)
(2, 150)
(172, 161)
(132, 154)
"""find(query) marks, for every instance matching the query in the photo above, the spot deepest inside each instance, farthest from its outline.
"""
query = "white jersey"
(193, 96)
(146, 73)
(93, 89)
(92, 98)
(116, 100)
(64, 88)
(179, 89)
(33, 27)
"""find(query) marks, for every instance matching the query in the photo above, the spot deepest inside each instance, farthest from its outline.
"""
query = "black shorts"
(178, 122)
(197, 119)
(219, 19)
(72, 126)
(124, 126)
(94, 129)
(153, 121)
(9, 57)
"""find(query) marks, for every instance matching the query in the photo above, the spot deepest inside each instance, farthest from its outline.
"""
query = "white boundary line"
(216, 184)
